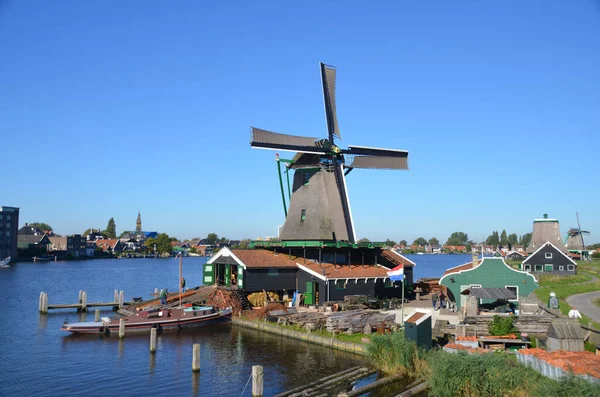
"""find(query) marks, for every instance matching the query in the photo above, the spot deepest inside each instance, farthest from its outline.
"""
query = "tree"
(503, 238)
(364, 240)
(111, 229)
(245, 243)
(41, 225)
(493, 239)
(162, 242)
(458, 238)
(403, 242)
(434, 241)
(212, 238)
(420, 241)
(223, 240)
(513, 239)
(124, 233)
(525, 240)
(390, 243)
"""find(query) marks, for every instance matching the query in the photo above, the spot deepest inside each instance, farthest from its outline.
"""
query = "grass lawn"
(571, 285)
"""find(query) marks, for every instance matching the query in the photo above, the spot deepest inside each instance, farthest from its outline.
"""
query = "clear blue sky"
(111, 107)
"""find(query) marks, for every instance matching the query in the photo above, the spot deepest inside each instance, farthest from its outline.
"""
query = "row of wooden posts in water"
(82, 304)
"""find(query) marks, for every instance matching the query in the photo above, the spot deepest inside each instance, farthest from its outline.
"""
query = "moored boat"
(5, 262)
(162, 319)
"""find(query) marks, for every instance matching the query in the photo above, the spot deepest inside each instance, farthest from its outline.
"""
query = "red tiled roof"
(332, 271)
(414, 318)
(106, 243)
(396, 258)
(263, 258)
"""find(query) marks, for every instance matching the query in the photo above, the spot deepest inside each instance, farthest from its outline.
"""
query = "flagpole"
(402, 310)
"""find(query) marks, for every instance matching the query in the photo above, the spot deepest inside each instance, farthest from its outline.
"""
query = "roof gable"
(548, 243)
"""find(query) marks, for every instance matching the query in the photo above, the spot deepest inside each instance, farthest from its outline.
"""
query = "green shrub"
(596, 255)
(501, 326)
(569, 386)
(393, 353)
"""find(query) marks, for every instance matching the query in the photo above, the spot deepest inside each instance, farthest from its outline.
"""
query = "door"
(209, 276)
(227, 274)
(240, 277)
(308, 295)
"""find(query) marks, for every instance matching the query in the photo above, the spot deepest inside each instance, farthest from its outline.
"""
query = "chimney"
(26, 223)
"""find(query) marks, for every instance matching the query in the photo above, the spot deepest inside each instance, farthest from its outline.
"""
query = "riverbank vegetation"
(473, 375)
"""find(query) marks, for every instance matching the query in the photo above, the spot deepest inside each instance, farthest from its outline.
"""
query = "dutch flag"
(397, 273)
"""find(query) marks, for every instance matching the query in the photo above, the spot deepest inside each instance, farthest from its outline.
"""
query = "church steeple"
(138, 223)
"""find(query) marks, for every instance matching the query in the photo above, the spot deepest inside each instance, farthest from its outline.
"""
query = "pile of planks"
(355, 320)
(315, 320)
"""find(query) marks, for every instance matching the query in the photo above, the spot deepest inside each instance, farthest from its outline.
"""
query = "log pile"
(222, 298)
(355, 320)
(312, 320)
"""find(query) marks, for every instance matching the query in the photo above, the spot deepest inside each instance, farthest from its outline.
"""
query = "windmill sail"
(328, 79)
(273, 140)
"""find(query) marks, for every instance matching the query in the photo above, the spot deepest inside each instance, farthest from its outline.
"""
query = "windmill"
(575, 239)
(319, 205)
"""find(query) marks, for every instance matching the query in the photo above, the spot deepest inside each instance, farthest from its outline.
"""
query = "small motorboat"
(42, 258)
(5, 262)
(160, 318)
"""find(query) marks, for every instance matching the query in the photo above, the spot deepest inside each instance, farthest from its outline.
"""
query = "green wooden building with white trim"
(486, 273)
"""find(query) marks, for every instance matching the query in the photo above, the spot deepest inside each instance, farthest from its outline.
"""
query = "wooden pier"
(82, 304)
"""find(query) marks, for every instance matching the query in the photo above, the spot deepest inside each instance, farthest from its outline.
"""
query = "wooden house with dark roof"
(283, 271)
(549, 259)
(486, 273)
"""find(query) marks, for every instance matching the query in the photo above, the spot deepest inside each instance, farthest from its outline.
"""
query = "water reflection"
(120, 349)
(42, 323)
(152, 366)
(195, 383)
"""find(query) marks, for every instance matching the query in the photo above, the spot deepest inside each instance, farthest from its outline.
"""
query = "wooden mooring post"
(97, 315)
(121, 299)
(121, 328)
(257, 381)
(83, 301)
(153, 340)
(43, 306)
(196, 357)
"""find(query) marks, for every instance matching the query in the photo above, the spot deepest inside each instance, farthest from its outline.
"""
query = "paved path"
(583, 303)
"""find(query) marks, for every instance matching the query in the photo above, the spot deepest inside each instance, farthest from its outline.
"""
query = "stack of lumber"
(222, 298)
(316, 319)
(355, 320)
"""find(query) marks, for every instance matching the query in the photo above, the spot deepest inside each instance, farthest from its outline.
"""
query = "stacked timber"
(479, 325)
(309, 320)
(355, 320)
(222, 298)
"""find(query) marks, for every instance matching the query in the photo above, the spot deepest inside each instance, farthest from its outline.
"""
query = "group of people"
(438, 297)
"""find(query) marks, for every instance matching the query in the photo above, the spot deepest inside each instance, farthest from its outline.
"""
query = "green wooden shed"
(417, 327)
(486, 273)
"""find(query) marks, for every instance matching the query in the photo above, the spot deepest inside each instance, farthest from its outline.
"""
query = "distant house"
(515, 255)
(486, 273)
(458, 249)
(76, 245)
(90, 248)
(549, 259)
(112, 246)
(94, 235)
(31, 237)
(57, 243)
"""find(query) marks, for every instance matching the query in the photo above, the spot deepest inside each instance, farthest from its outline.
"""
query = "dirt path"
(584, 303)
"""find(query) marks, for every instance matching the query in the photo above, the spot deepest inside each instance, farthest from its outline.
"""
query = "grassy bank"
(472, 375)
(571, 285)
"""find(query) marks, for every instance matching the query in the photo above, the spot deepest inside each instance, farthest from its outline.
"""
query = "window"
(340, 284)
(561, 268)
(548, 255)
(302, 215)
(388, 283)
(571, 268)
(8, 217)
(8, 225)
(548, 268)
(273, 272)
(539, 268)
(527, 268)
(514, 289)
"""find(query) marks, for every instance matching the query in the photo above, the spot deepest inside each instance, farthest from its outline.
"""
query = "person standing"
(163, 296)
(574, 313)
(434, 299)
(442, 300)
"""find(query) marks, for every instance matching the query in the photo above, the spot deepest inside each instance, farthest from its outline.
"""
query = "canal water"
(39, 359)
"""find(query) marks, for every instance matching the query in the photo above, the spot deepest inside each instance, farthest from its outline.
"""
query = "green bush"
(501, 326)
(393, 353)
(596, 255)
